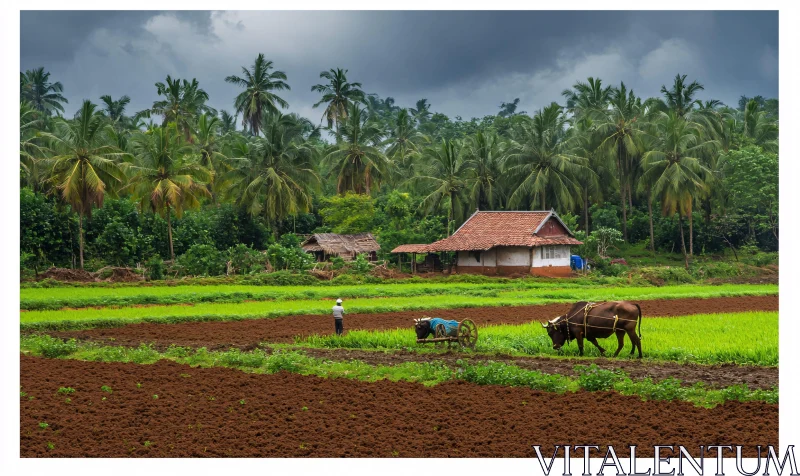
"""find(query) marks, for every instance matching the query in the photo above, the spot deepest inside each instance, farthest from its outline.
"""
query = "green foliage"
(50, 347)
(66, 390)
(202, 260)
(494, 373)
(287, 255)
(603, 239)
(360, 264)
(155, 268)
(337, 262)
(606, 216)
(758, 204)
(48, 232)
(245, 260)
(593, 378)
(662, 275)
(348, 214)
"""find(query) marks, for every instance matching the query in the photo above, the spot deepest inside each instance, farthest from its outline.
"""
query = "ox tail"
(640, 320)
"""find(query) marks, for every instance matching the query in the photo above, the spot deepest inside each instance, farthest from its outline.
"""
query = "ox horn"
(543, 325)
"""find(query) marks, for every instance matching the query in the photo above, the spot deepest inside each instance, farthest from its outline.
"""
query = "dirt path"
(717, 376)
(224, 412)
(248, 333)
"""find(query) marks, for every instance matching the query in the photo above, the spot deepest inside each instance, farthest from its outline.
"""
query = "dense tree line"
(121, 187)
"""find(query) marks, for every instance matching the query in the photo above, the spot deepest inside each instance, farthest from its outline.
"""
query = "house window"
(477, 255)
(553, 252)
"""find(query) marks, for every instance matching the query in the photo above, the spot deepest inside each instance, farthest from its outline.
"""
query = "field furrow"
(173, 410)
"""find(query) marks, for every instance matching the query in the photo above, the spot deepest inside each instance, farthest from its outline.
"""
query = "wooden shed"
(347, 247)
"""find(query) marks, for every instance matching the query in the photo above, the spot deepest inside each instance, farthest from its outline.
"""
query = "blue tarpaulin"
(450, 326)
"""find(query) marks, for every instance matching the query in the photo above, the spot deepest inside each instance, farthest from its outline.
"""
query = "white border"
(9, 403)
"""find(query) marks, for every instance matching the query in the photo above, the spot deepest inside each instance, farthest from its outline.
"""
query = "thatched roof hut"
(347, 247)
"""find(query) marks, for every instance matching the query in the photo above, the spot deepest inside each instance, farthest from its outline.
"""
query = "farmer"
(338, 314)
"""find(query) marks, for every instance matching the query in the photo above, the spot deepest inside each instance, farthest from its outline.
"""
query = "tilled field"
(248, 333)
(715, 376)
(225, 412)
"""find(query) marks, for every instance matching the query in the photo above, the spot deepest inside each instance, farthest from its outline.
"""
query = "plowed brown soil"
(224, 412)
(718, 376)
(249, 333)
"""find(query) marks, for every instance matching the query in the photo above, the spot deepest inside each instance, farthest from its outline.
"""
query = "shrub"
(360, 265)
(203, 260)
(245, 260)
(336, 262)
(593, 378)
(155, 268)
(282, 278)
(660, 275)
(51, 347)
(288, 257)
(715, 270)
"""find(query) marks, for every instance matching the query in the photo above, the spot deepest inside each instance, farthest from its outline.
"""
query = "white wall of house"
(557, 255)
(513, 256)
(487, 258)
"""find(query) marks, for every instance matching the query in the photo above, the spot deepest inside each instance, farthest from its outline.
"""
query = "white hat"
(338, 301)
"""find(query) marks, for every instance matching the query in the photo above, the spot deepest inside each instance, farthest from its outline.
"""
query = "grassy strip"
(57, 298)
(749, 338)
(591, 378)
(285, 279)
(86, 318)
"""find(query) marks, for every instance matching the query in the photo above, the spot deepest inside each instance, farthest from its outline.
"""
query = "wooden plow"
(466, 335)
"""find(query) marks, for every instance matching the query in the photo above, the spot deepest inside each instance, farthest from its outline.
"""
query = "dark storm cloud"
(465, 63)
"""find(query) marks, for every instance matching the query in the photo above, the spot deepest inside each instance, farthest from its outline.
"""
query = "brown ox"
(597, 320)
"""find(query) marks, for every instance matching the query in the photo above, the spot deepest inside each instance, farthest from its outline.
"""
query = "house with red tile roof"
(504, 243)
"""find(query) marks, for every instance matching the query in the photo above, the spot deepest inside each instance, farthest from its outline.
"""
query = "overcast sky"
(464, 63)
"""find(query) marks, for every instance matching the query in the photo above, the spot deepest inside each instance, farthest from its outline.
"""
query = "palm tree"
(356, 160)
(35, 87)
(421, 111)
(183, 102)
(404, 142)
(508, 109)
(166, 174)
(542, 162)
(620, 126)
(680, 98)
(587, 99)
(446, 175)
(339, 95)
(258, 97)
(115, 110)
(674, 166)
(227, 122)
(599, 172)
(275, 174)
(484, 157)
(759, 127)
(30, 152)
(210, 150)
(84, 166)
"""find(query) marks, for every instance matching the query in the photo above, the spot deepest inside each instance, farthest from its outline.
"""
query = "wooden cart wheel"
(439, 331)
(467, 334)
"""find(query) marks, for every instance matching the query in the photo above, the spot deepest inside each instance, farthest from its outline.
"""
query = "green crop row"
(57, 298)
(739, 338)
(84, 318)
(591, 378)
